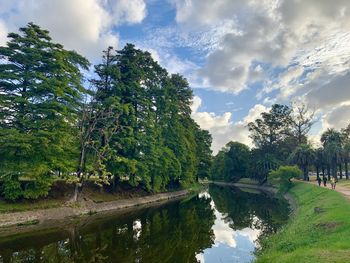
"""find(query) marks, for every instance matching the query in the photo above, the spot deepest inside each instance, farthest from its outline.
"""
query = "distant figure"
(333, 182)
(319, 180)
(324, 181)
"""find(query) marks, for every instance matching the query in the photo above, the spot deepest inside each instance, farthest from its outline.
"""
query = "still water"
(222, 224)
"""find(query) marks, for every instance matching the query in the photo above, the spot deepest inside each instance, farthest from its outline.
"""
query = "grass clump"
(29, 223)
(319, 232)
(248, 181)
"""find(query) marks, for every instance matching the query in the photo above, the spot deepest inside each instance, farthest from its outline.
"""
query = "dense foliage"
(280, 138)
(231, 163)
(133, 124)
(283, 176)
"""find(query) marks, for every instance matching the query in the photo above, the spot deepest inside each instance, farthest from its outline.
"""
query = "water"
(222, 224)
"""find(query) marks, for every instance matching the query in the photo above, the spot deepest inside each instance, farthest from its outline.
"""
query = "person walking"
(324, 181)
(333, 182)
(319, 181)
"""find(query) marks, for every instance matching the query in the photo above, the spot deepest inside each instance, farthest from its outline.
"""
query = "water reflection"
(220, 225)
(241, 217)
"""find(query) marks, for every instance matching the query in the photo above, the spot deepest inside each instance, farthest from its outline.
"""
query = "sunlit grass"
(247, 181)
(7, 207)
(319, 232)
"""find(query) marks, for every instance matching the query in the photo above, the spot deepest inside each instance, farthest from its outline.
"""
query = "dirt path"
(341, 189)
(9, 219)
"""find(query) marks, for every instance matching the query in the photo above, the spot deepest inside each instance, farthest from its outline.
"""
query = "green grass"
(7, 207)
(319, 232)
(29, 223)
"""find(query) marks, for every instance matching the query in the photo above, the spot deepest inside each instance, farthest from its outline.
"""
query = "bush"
(283, 175)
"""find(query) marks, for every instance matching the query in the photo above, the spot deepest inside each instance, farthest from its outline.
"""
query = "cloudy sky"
(239, 56)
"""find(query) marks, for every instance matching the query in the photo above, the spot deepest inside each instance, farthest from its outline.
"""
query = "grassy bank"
(319, 232)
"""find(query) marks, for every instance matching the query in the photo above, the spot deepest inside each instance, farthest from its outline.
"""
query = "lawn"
(6, 207)
(318, 232)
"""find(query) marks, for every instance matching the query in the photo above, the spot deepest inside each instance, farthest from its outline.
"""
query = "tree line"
(129, 122)
(280, 137)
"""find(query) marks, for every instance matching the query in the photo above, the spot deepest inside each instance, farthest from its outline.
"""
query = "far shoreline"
(52, 218)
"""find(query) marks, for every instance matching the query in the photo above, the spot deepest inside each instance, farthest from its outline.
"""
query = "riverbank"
(319, 232)
(69, 210)
(264, 188)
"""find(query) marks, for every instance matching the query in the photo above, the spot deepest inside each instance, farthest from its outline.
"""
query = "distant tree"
(302, 120)
(235, 159)
(284, 174)
(269, 130)
(346, 149)
(319, 161)
(303, 156)
(332, 144)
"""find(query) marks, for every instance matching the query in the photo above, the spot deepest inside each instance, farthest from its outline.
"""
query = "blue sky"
(239, 56)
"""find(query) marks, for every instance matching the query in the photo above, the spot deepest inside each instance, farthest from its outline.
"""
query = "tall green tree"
(332, 144)
(231, 163)
(40, 98)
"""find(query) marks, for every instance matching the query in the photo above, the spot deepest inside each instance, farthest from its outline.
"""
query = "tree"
(301, 122)
(40, 97)
(332, 140)
(319, 161)
(284, 174)
(303, 156)
(235, 159)
(204, 153)
(269, 130)
(346, 149)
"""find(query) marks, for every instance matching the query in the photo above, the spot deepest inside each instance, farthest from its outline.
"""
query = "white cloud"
(3, 33)
(338, 118)
(303, 45)
(222, 128)
(83, 25)
(129, 11)
(301, 35)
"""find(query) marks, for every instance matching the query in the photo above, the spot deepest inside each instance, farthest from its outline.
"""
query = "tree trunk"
(329, 172)
(346, 170)
(317, 172)
(340, 171)
(323, 171)
(81, 166)
(334, 170)
(306, 176)
(76, 193)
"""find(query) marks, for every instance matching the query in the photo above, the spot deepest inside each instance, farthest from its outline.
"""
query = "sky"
(239, 57)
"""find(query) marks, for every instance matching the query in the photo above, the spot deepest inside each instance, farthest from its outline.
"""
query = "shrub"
(283, 176)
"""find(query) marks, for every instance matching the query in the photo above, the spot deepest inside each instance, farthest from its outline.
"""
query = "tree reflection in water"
(180, 231)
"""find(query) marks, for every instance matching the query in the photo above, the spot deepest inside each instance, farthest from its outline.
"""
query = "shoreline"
(266, 188)
(39, 217)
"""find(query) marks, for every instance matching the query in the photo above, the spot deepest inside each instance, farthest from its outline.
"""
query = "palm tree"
(346, 149)
(332, 144)
(303, 156)
(319, 161)
(346, 152)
